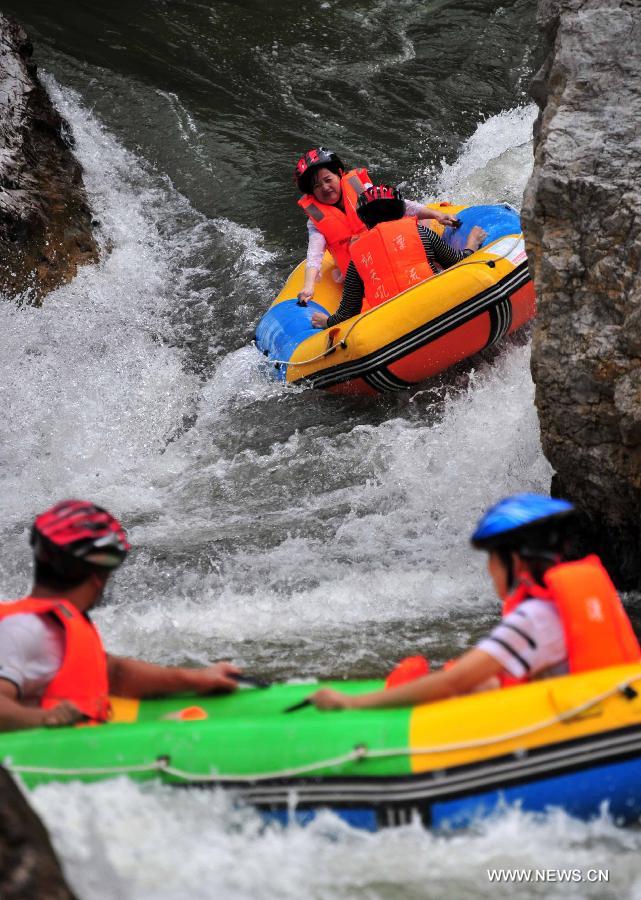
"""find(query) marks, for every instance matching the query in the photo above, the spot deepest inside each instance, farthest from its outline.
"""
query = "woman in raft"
(558, 617)
(330, 193)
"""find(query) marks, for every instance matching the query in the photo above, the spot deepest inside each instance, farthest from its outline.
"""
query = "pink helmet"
(380, 203)
(318, 157)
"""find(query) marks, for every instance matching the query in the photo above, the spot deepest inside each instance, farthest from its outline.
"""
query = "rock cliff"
(45, 222)
(582, 220)
(28, 866)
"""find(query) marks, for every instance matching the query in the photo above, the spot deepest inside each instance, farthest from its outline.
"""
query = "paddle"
(300, 705)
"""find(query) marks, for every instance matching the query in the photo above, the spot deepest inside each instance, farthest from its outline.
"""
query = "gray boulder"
(29, 869)
(582, 221)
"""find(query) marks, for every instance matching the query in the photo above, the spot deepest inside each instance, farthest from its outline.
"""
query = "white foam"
(395, 539)
(152, 843)
(93, 384)
(494, 163)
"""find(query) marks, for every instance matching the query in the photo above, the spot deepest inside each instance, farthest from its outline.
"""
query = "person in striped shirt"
(558, 616)
(374, 210)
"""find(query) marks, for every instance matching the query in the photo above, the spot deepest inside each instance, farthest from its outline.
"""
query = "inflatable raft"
(572, 742)
(418, 334)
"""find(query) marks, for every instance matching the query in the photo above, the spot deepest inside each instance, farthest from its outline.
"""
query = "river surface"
(298, 533)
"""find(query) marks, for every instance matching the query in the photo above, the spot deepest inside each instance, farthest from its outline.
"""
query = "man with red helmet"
(54, 669)
(330, 196)
(393, 254)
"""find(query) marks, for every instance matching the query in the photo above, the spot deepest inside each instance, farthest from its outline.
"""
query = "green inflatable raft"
(573, 742)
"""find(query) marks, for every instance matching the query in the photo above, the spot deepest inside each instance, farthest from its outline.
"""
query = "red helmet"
(314, 159)
(380, 203)
(81, 530)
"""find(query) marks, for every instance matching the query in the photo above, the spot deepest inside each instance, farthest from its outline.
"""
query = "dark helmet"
(380, 203)
(75, 537)
(318, 157)
(532, 525)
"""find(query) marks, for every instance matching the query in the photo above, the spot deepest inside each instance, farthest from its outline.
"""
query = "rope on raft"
(343, 341)
(357, 754)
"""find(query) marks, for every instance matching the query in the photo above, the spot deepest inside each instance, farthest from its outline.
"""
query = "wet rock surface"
(45, 221)
(582, 218)
(29, 869)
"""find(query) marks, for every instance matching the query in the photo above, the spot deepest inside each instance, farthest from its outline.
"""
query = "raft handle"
(330, 340)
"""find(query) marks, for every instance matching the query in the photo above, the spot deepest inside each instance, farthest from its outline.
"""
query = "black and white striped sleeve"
(352, 298)
(530, 640)
(439, 251)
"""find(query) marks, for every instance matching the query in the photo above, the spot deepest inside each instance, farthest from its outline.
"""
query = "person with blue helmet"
(559, 617)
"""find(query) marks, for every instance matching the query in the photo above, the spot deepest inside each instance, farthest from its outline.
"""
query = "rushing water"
(299, 533)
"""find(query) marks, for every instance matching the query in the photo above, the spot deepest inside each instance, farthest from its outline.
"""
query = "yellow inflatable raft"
(418, 334)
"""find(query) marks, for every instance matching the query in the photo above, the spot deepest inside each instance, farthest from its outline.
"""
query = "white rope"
(343, 341)
(359, 753)
(284, 362)
(568, 715)
(156, 765)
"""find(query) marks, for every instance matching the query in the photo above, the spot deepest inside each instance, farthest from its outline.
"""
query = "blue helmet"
(515, 521)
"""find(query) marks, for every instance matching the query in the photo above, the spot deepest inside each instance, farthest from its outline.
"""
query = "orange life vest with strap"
(390, 259)
(598, 632)
(82, 678)
(338, 227)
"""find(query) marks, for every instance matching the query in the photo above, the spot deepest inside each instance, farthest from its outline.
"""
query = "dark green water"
(224, 96)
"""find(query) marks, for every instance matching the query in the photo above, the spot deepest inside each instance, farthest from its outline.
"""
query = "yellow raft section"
(395, 318)
(496, 723)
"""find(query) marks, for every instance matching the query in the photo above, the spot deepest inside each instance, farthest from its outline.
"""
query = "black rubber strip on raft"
(500, 320)
(497, 294)
(385, 381)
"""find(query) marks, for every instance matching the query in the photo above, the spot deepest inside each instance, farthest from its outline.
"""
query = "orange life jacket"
(338, 227)
(390, 258)
(82, 678)
(597, 630)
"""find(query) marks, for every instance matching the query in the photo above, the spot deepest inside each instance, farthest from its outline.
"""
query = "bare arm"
(425, 212)
(135, 678)
(467, 673)
(15, 716)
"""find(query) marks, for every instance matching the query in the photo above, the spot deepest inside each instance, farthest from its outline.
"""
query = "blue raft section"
(287, 324)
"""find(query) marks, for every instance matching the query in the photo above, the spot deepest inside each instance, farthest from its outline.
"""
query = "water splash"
(115, 842)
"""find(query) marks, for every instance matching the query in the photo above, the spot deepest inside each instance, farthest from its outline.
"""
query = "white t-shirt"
(529, 642)
(31, 652)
